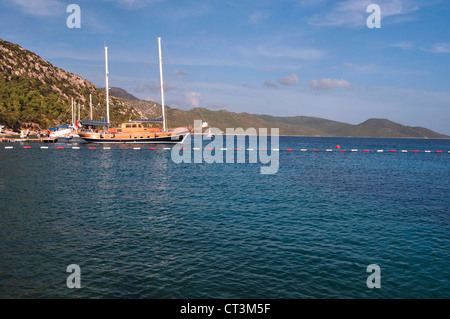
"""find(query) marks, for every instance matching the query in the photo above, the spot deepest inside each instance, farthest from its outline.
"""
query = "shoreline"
(326, 136)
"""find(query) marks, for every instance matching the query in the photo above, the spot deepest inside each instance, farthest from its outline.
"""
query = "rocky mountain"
(36, 94)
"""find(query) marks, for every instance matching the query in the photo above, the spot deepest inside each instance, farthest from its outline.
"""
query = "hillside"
(36, 94)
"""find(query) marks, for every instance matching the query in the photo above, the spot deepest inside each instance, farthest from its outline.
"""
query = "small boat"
(133, 131)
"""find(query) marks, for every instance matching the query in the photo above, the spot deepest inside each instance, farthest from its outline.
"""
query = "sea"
(341, 218)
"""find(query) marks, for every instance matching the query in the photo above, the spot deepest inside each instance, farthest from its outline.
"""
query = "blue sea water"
(141, 226)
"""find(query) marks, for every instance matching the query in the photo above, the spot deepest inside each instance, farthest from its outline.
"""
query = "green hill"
(36, 94)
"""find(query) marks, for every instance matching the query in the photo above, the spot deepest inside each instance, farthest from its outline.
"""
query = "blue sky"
(283, 58)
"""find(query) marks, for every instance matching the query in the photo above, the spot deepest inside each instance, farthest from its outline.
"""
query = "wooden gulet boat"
(133, 131)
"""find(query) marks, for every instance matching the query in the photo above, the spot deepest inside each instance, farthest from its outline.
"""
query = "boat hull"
(96, 138)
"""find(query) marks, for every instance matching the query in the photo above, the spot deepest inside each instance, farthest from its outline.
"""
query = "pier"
(28, 140)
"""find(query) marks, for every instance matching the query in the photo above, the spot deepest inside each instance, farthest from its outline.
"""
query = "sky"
(278, 57)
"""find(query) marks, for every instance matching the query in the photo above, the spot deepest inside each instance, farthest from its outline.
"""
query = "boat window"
(134, 125)
(128, 125)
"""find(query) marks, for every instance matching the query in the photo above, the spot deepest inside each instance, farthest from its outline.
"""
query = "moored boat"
(136, 131)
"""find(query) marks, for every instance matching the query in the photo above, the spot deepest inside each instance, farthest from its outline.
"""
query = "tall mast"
(73, 122)
(162, 84)
(90, 104)
(107, 85)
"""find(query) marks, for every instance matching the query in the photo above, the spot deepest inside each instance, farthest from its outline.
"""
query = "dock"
(29, 140)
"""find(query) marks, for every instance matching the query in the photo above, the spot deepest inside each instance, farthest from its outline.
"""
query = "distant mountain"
(121, 93)
(36, 94)
(295, 125)
(298, 125)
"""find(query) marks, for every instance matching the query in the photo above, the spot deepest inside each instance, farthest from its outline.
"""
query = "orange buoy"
(338, 146)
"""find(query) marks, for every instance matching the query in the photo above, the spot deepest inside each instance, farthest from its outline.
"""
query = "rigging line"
(178, 76)
(146, 69)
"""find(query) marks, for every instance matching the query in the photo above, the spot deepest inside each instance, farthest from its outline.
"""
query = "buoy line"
(328, 150)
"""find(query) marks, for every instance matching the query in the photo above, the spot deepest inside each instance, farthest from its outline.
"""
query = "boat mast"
(107, 85)
(162, 84)
(90, 104)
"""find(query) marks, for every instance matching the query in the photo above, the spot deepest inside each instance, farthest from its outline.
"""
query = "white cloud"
(193, 98)
(289, 79)
(270, 84)
(443, 47)
(328, 84)
(133, 4)
(403, 45)
(258, 16)
(290, 52)
(41, 7)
